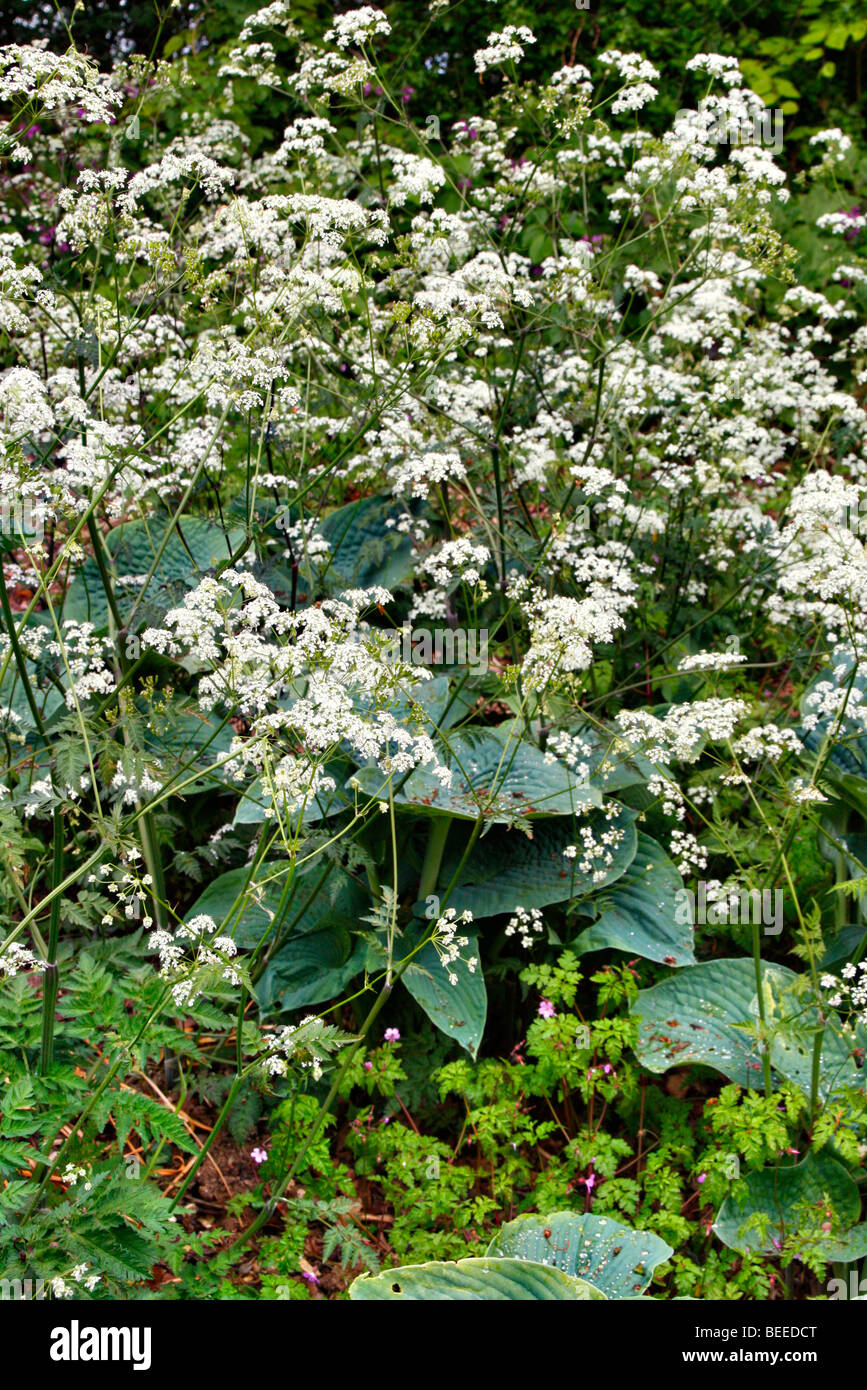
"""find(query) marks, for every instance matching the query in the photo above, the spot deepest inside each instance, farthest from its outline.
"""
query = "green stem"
(51, 979)
(439, 829)
(50, 983)
(148, 832)
(203, 1151)
(766, 1054)
(815, 1073)
(19, 657)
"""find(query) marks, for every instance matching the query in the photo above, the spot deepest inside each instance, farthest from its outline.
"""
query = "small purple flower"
(259, 1155)
(368, 1066)
(701, 1177)
(392, 1035)
(546, 1009)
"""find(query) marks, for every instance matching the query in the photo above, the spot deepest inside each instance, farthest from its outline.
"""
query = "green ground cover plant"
(433, 760)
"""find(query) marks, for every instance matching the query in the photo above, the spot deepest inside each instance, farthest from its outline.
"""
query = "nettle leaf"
(709, 1014)
(131, 1110)
(119, 1252)
(614, 1258)
(506, 869)
(795, 1198)
(640, 911)
(133, 548)
(487, 1279)
(364, 550)
(495, 773)
(458, 1010)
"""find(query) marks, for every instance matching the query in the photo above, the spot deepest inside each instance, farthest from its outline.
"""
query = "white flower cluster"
(561, 632)
(504, 46)
(710, 661)
(448, 944)
(849, 991)
(79, 1278)
(17, 960)
(33, 77)
(458, 559)
(192, 956)
(295, 1045)
(686, 852)
(306, 677)
(595, 853)
(679, 736)
(574, 751)
(526, 924)
(671, 797)
(358, 27)
(767, 741)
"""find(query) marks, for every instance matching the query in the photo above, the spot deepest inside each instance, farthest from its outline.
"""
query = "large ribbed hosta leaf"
(364, 550)
(506, 869)
(495, 773)
(795, 1197)
(615, 1258)
(485, 1279)
(459, 1010)
(188, 554)
(709, 1013)
(639, 912)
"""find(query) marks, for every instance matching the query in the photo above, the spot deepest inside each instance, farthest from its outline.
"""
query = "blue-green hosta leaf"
(15, 713)
(844, 945)
(312, 967)
(183, 735)
(458, 1010)
(495, 773)
(485, 1279)
(846, 764)
(256, 805)
(506, 869)
(306, 906)
(364, 550)
(615, 1258)
(795, 1197)
(612, 764)
(422, 703)
(640, 911)
(708, 1014)
(133, 548)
